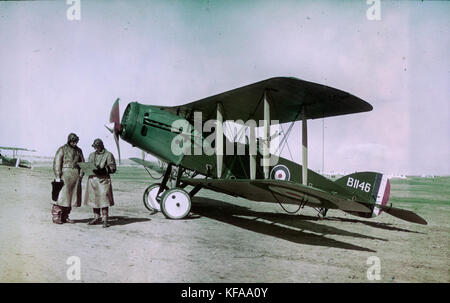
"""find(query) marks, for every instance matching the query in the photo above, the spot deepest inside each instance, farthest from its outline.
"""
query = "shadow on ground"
(294, 228)
(385, 226)
(116, 220)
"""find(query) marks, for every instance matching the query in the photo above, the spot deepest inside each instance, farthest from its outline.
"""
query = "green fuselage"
(151, 129)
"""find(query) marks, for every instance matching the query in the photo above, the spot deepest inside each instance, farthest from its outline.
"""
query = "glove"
(100, 171)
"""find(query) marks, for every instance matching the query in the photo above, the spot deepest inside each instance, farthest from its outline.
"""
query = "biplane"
(15, 161)
(179, 134)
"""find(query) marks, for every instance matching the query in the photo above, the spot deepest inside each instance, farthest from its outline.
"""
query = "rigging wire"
(287, 211)
(151, 176)
(285, 141)
(323, 143)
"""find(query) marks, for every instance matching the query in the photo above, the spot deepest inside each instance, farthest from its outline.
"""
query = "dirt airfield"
(225, 239)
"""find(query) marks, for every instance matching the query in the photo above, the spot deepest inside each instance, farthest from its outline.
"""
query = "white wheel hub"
(175, 203)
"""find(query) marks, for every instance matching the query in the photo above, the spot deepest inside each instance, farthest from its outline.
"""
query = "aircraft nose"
(128, 117)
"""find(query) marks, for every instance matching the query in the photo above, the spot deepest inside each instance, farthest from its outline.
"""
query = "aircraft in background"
(155, 130)
(15, 161)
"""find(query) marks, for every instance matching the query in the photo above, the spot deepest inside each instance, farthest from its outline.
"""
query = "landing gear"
(151, 197)
(321, 213)
(153, 193)
(175, 203)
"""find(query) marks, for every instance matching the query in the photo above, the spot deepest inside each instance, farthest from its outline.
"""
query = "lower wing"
(278, 191)
(148, 164)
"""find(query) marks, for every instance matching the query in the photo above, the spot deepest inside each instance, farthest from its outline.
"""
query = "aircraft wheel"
(175, 203)
(149, 197)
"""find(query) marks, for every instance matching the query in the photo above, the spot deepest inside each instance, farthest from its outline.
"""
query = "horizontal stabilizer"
(403, 214)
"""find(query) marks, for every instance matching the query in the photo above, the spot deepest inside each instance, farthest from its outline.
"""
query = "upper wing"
(16, 148)
(286, 97)
(278, 191)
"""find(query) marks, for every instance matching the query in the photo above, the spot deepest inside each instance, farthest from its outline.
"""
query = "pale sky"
(59, 76)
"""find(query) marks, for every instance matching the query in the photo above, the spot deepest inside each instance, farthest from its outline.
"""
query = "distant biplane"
(15, 161)
(155, 130)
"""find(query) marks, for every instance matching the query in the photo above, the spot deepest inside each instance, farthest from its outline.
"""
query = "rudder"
(370, 187)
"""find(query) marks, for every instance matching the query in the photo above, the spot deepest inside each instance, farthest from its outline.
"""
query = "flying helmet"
(72, 138)
(98, 142)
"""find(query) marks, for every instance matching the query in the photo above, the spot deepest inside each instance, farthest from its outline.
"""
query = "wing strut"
(252, 152)
(219, 140)
(304, 147)
(266, 134)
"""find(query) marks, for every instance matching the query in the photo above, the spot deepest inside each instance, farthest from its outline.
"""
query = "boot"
(56, 214)
(97, 217)
(105, 217)
(65, 215)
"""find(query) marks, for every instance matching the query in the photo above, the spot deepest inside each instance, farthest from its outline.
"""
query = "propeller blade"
(110, 127)
(114, 127)
(116, 138)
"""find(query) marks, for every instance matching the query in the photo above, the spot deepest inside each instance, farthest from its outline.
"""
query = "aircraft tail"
(373, 190)
(369, 187)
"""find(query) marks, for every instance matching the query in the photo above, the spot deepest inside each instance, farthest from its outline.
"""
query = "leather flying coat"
(65, 166)
(99, 192)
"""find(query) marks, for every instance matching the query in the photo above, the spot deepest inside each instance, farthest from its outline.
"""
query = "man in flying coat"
(69, 175)
(99, 194)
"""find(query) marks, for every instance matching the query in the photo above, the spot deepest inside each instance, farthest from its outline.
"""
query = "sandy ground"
(225, 240)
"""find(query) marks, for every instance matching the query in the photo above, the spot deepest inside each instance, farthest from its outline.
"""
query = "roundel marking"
(280, 172)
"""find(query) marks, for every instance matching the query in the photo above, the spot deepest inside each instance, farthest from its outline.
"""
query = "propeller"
(114, 126)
